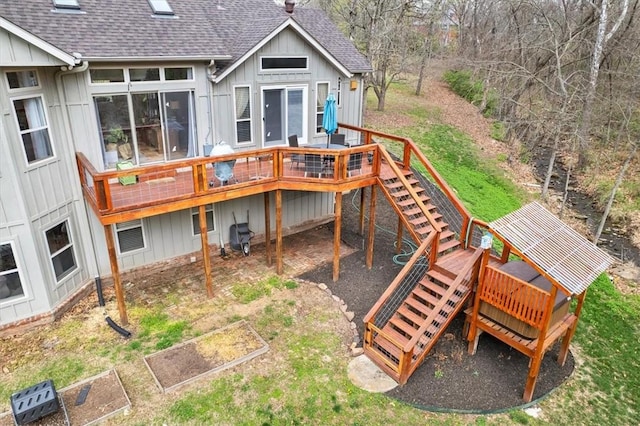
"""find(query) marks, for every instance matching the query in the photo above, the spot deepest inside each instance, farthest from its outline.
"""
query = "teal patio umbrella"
(330, 118)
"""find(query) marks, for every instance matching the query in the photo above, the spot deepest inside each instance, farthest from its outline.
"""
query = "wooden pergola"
(507, 303)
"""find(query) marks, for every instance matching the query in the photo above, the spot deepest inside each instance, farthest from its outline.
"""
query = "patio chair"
(354, 163)
(297, 158)
(313, 164)
(338, 139)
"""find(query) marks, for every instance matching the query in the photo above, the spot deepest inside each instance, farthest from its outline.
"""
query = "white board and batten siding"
(16, 52)
(36, 197)
(287, 43)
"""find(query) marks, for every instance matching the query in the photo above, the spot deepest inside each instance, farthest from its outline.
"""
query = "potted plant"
(115, 137)
(118, 140)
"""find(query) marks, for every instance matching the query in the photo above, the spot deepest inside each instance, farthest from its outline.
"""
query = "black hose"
(112, 324)
(117, 328)
(99, 291)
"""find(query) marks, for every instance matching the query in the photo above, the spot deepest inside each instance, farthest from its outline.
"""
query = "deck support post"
(115, 273)
(204, 238)
(473, 333)
(362, 200)
(372, 227)
(279, 250)
(566, 340)
(267, 227)
(337, 228)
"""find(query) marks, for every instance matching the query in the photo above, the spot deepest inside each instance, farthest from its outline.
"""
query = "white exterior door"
(284, 113)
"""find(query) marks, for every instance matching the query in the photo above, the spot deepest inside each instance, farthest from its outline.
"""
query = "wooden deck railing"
(514, 297)
(157, 189)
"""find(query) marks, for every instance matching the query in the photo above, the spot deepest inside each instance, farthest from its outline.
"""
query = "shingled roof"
(569, 258)
(208, 29)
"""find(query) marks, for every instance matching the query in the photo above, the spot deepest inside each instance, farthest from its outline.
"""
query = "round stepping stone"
(366, 375)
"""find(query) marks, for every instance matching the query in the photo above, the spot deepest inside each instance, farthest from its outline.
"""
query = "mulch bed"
(493, 379)
(209, 353)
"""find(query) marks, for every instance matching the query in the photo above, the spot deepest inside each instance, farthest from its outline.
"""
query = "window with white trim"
(10, 282)
(242, 108)
(130, 236)
(322, 91)
(63, 258)
(195, 219)
(22, 79)
(33, 127)
(339, 92)
(269, 63)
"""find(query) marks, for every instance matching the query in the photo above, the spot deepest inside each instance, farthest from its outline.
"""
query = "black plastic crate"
(34, 402)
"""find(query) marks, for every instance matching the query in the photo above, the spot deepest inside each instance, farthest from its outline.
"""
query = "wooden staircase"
(416, 309)
(414, 218)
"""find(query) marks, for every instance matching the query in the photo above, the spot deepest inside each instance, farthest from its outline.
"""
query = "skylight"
(160, 7)
(66, 4)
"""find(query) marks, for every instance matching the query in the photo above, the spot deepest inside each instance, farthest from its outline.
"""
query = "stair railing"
(469, 272)
(410, 151)
(384, 155)
(369, 318)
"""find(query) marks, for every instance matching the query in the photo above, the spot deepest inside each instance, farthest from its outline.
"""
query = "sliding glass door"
(284, 114)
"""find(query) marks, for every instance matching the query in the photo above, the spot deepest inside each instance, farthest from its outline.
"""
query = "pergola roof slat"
(556, 248)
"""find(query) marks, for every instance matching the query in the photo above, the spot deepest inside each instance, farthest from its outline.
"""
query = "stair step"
(426, 296)
(448, 245)
(408, 314)
(415, 210)
(441, 270)
(404, 193)
(434, 287)
(410, 201)
(400, 324)
(418, 306)
(440, 277)
(390, 350)
(394, 334)
(397, 183)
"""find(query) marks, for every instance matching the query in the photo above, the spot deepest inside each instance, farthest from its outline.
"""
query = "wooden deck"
(146, 191)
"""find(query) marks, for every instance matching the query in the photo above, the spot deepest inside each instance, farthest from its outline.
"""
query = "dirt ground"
(449, 378)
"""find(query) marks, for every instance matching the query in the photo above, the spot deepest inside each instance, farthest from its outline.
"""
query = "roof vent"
(289, 5)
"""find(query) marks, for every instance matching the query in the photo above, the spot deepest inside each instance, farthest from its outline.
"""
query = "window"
(10, 282)
(63, 258)
(242, 108)
(322, 91)
(130, 236)
(339, 92)
(144, 74)
(163, 127)
(33, 128)
(178, 73)
(288, 63)
(195, 219)
(22, 79)
(66, 4)
(160, 7)
(106, 75)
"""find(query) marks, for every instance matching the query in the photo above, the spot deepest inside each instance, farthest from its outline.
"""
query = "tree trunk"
(552, 160)
(612, 196)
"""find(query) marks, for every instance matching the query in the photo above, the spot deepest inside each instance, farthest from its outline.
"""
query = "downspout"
(68, 70)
